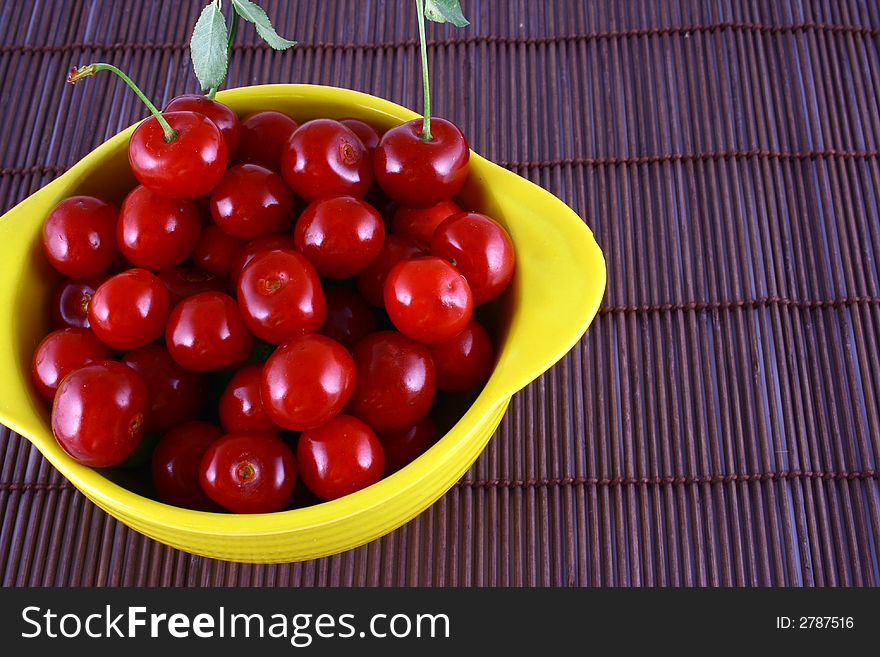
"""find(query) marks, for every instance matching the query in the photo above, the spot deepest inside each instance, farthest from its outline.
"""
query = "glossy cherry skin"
(99, 413)
(280, 296)
(130, 309)
(249, 472)
(216, 251)
(62, 352)
(263, 135)
(464, 361)
(221, 115)
(241, 407)
(349, 317)
(340, 236)
(307, 381)
(183, 282)
(396, 381)
(188, 167)
(251, 249)
(323, 158)
(177, 462)
(79, 236)
(417, 172)
(405, 446)
(206, 332)
(420, 223)
(156, 232)
(428, 299)
(251, 202)
(176, 394)
(70, 303)
(339, 457)
(368, 135)
(480, 249)
(371, 281)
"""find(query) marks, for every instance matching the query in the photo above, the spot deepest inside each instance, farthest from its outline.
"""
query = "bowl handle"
(558, 284)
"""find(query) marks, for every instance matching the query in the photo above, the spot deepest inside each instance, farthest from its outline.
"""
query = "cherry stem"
(233, 22)
(77, 74)
(426, 123)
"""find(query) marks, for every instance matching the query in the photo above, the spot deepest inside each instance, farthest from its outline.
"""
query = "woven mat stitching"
(750, 304)
(589, 482)
(680, 30)
(833, 153)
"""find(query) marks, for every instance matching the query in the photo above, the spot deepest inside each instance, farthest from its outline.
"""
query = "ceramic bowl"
(559, 282)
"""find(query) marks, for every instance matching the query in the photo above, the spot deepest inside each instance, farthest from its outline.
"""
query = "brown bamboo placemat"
(720, 422)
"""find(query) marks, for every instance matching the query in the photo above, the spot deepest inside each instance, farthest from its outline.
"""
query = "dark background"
(720, 422)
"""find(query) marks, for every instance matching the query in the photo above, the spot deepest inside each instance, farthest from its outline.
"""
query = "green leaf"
(207, 47)
(445, 11)
(253, 13)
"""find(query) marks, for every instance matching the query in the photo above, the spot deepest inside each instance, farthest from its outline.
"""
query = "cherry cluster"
(319, 277)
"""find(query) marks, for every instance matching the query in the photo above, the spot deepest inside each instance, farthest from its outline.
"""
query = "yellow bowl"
(559, 282)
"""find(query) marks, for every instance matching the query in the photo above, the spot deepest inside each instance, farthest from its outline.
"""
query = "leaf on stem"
(208, 48)
(253, 13)
(445, 11)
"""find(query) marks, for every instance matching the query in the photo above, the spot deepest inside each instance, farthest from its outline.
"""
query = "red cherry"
(99, 413)
(183, 282)
(130, 309)
(177, 463)
(323, 158)
(368, 135)
(176, 395)
(60, 353)
(221, 115)
(396, 381)
(307, 381)
(464, 361)
(156, 232)
(263, 135)
(405, 446)
(187, 167)
(249, 473)
(417, 172)
(251, 249)
(428, 299)
(349, 317)
(340, 236)
(339, 457)
(251, 202)
(216, 251)
(79, 236)
(70, 303)
(371, 281)
(480, 249)
(241, 408)
(206, 332)
(280, 296)
(420, 223)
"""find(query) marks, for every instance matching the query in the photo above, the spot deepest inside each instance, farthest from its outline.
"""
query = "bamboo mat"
(720, 422)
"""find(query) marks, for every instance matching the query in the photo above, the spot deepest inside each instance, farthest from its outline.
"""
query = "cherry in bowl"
(249, 472)
(79, 236)
(99, 413)
(339, 457)
(324, 158)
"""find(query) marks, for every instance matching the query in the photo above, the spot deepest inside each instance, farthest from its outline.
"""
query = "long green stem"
(77, 74)
(233, 22)
(426, 124)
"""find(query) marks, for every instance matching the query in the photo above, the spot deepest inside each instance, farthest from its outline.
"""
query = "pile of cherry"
(320, 272)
